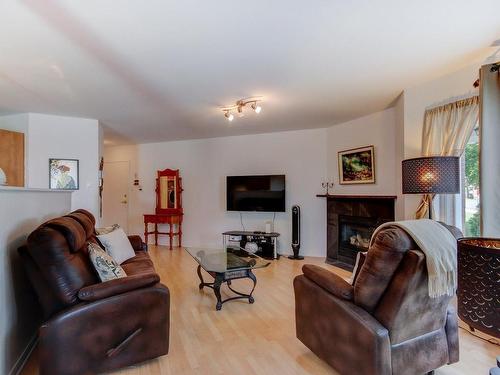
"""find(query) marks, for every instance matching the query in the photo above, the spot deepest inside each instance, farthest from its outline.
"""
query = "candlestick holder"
(327, 185)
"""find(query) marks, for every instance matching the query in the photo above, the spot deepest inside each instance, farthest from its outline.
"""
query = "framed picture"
(63, 174)
(357, 166)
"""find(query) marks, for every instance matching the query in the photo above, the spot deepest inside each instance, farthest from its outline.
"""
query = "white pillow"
(117, 245)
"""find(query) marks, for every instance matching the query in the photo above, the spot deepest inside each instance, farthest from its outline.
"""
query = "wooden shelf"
(343, 196)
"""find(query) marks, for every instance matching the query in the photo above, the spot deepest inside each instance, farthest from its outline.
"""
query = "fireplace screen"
(355, 234)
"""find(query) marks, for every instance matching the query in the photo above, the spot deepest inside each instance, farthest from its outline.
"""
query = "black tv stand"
(265, 241)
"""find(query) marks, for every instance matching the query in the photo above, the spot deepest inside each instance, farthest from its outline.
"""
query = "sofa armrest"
(137, 244)
(329, 281)
(88, 336)
(118, 286)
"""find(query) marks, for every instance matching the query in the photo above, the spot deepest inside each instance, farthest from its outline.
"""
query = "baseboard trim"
(23, 358)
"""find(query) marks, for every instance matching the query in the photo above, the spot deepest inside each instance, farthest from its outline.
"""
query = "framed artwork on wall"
(357, 166)
(63, 174)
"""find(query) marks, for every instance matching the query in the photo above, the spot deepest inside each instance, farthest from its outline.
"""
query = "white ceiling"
(159, 70)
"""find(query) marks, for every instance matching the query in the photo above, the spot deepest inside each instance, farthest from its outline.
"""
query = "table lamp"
(431, 175)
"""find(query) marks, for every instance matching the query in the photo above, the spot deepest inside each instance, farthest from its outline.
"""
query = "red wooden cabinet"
(168, 207)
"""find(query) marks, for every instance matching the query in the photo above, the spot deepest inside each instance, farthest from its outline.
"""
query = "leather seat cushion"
(141, 263)
(139, 255)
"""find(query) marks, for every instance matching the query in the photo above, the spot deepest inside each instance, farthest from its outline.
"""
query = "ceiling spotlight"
(229, 116)
(239, 106)
(240, 110)
(256, 108)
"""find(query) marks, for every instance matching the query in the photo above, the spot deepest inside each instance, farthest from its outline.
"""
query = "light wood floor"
(251, 339)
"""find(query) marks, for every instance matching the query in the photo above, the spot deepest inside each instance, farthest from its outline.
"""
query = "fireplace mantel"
(350, 215)
(343, 196)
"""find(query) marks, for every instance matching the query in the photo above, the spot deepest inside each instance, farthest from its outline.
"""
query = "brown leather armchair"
(383, 324)
(92, 326)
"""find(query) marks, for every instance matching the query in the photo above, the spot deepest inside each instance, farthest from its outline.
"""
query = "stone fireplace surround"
(350, 221)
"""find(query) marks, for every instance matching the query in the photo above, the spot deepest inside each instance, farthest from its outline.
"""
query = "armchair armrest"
(118, 286)
(329, 281)
(344, 335)
(137, 244)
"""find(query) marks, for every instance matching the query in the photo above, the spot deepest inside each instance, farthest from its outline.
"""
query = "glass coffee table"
(224, 265)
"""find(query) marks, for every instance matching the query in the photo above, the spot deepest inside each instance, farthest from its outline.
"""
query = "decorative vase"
(3, 178)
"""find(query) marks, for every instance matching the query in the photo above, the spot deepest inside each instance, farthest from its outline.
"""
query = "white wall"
(377, 129)
(417, 99)
(306, 157)
(204, 165)
(399, 113)
(20, 213)
(65, 138)
(16, 123)
(49, 136)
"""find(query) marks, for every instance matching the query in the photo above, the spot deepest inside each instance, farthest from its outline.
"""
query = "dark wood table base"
(226, 277)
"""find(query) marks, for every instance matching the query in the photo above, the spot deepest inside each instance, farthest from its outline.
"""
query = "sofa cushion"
(85, 222)
(86, 213)
(106, 267)
(382, 260)
(72, 231)
(139, 264)
(117, 245)
(65, 271)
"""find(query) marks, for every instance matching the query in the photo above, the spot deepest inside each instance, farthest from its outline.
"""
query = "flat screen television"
(256, 193)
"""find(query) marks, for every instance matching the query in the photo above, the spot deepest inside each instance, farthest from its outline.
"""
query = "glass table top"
(222, 260)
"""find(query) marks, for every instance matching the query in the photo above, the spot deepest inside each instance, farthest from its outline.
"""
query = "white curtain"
(446, 131)
(490, 150)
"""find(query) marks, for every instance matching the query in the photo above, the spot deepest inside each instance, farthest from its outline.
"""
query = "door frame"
(128, 187)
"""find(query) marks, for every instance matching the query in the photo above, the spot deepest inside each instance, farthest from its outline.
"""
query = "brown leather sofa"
(92, 326)
(383, 324)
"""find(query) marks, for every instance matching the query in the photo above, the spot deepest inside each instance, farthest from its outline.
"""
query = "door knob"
(124, 200)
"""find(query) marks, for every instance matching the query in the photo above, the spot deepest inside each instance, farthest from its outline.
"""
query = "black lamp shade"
(431, 175)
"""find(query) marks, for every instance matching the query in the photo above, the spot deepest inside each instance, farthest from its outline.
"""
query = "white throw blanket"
(440, 249)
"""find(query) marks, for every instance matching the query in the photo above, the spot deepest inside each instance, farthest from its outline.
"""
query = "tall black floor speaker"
(295, 233)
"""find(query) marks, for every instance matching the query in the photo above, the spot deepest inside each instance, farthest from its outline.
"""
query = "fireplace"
(354, 234)
(351, 221)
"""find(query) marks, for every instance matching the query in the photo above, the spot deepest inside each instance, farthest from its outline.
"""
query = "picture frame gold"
(357, 166)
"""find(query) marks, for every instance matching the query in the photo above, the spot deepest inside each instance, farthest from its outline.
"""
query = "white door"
(115, 194)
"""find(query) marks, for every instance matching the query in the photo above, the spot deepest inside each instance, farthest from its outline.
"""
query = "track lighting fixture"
(229, 116)
(240, 104)
(256, 108)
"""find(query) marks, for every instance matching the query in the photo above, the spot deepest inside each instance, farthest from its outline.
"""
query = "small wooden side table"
(170, 219)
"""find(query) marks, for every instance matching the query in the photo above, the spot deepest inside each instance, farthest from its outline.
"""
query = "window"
(471, 194)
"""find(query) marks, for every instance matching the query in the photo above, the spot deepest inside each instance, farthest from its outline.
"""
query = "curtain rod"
(452, 100)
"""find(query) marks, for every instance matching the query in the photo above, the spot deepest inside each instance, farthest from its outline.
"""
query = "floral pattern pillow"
(107, 268)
